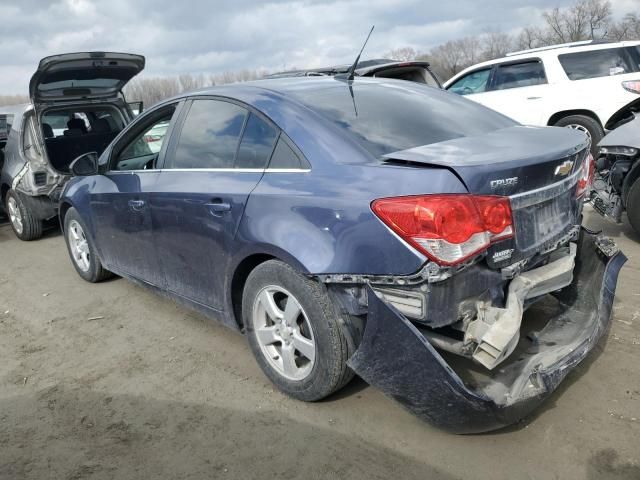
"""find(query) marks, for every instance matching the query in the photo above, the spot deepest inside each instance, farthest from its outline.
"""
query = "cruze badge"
(504, 182)
(564, 168)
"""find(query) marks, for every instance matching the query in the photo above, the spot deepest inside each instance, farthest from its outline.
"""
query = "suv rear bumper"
(395, 356)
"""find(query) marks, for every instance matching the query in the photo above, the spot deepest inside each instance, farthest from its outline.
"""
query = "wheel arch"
(578, 111)
(4, 188)
(632, 177)
(243, 269)
(63, 208)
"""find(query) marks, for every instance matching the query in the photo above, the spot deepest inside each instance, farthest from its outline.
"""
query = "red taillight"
(587, 172)
(632, 86)
(447, 228)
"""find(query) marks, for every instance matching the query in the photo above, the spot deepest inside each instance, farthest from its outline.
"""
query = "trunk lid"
(536, 167)
(504, 162)
(83, 76)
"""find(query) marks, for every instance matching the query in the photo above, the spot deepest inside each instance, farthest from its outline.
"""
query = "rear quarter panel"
(321, 221)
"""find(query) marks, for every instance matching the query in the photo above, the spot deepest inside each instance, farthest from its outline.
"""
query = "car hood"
(627, 135)
(83, 76)
(506, 161)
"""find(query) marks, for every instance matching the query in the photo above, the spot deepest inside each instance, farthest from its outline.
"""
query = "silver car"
(77, 106)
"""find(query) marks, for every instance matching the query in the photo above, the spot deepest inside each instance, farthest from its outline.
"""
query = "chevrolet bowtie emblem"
(564, 168)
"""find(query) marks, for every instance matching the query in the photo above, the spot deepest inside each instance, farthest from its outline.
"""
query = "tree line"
(584, 20)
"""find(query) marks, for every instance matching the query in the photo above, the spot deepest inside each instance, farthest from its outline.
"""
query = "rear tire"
(584, 123)
(82, 251)
(24, 223)
(633, 206)
(271, 334)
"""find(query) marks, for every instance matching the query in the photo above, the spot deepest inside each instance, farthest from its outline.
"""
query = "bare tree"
(13, 99)
(152, 90)
(496, 45)
(626, 29)
(529, 37)
(404, 54)
(585, 20)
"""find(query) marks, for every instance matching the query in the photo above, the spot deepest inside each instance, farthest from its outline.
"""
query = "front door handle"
(136, 205)
(217, 207)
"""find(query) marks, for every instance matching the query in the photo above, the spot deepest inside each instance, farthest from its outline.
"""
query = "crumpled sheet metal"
(397, 359)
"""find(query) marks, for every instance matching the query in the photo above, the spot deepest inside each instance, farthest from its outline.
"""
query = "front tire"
(590, 126)
(81, 249)
(633, 206)
(298, 338)
(24, 223)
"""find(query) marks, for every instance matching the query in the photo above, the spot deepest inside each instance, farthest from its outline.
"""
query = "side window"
(597, 63)
(257, 143)
(210, 135)
(285, 157)
(516, 75)
(474, 82)
(141, 152)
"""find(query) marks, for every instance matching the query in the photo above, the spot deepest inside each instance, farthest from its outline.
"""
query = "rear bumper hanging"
(396, 358)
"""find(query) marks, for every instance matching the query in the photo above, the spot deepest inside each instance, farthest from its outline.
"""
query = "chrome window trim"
(223, 170)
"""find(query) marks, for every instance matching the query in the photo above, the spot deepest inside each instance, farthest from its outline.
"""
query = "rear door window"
(598, 63)
(285, 157)
(257, 143)
(474, 82)
(515, 75)
(210, 135)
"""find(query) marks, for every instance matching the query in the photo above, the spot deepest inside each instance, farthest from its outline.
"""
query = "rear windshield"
(601, 63)
(389, 117)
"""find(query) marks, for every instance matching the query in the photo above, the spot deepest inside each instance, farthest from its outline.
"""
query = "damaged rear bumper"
(395, 356)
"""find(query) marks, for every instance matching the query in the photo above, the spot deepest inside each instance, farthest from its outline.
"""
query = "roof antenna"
(352, 71)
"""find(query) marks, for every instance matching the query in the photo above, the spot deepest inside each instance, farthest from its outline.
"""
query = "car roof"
(281, 85)
(551, 50)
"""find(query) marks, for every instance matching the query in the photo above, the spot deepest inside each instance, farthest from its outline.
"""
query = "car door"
(211, 167)
(519, 90)
(120, 202)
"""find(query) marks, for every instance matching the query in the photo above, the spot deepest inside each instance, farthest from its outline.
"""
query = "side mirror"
(85, 165)
(136, 108)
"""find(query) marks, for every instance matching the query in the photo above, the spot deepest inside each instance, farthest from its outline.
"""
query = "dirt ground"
(153, 390)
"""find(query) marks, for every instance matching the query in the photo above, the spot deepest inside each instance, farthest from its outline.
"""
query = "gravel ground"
(113, 381)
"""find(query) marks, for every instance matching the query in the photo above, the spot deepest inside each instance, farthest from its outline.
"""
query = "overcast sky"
(183, 36)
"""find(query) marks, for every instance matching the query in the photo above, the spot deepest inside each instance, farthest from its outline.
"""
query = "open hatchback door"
(73, 77)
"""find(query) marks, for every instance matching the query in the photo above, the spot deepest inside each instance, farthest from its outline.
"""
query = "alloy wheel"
(79, 246)
(15, 215)
(580, 128)
(284, 333)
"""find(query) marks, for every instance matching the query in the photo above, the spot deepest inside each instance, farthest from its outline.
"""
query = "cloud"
(202, 36)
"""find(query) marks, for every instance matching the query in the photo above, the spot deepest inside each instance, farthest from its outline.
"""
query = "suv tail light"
(587, 172)
(447, 228)
(632, 86)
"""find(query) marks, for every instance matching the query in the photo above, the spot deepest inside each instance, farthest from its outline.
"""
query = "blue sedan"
(372, 226)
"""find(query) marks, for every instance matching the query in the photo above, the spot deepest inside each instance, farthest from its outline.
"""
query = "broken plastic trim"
(396, 358)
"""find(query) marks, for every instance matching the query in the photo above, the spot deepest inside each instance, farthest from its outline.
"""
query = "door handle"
(136, 205)
(534, 98)
(217, 207)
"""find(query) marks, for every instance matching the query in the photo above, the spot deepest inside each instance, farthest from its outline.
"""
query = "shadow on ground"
(79, 433)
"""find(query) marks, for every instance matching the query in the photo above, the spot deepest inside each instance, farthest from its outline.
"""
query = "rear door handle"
(217, 207)
(534, 98)
(136, 205)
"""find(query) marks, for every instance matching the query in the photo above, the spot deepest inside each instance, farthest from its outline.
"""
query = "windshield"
(387, 117)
